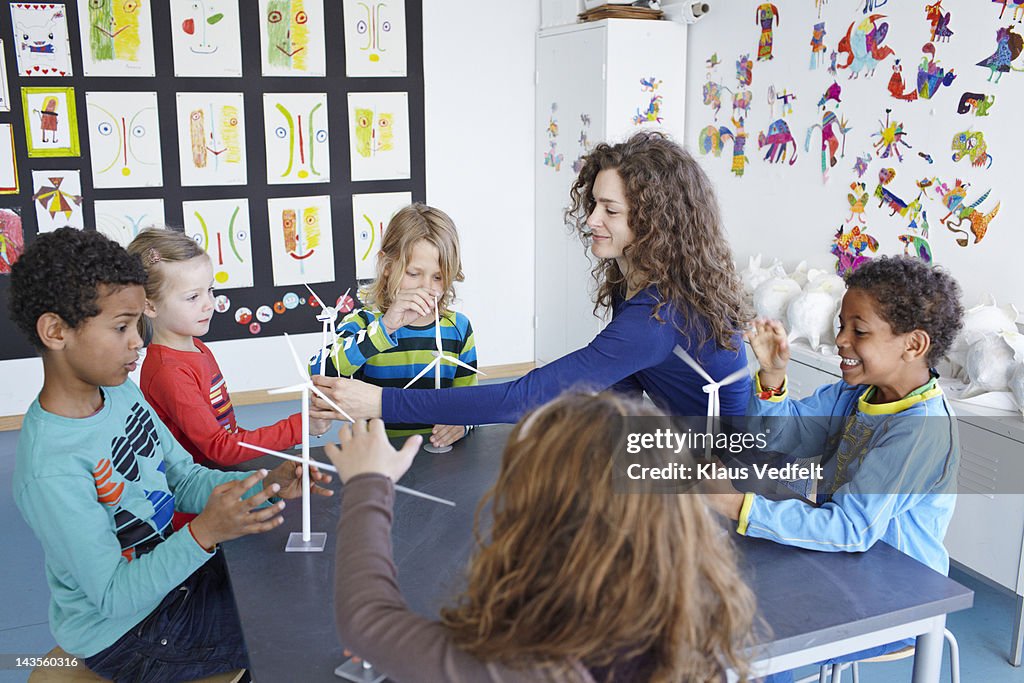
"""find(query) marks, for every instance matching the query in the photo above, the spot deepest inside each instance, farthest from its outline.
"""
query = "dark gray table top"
(286, 605)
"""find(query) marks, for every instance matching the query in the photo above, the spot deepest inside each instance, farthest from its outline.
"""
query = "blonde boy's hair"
(410, 225)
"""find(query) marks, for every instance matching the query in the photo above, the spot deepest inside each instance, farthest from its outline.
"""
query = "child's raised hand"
(769, 343)
(287, 477)
(227, 516)
(446, 435)
(408, 305)
(365, 449)
(318, 427)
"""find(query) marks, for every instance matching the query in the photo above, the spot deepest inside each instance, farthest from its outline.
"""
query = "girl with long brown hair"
(648, 212)
(574, 580)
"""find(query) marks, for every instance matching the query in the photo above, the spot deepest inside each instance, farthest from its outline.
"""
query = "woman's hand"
(359, 399)
(408, 305)
(365, 449)
(769, 343)
(446, 435)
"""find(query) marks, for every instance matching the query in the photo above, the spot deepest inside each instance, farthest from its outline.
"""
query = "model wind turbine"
(306, 541)
(711, 389)
(328, 315)
(439, 357)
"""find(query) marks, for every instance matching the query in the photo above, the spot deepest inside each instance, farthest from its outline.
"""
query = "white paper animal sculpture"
(1017, 386)
(799, 274)
(824, 281)
(753, 275)
(772, 297)
(991, 363)
(810, 316)
(984, 320)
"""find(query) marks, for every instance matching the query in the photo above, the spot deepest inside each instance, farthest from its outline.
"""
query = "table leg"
(1018, 633)
(928, 653)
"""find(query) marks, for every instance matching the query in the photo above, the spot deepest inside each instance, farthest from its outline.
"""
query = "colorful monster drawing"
(956, 201)
(931, 76)
(739, 144)
(872, 5)
(744, 70)
(374, 28)
(553, 157)
(849, 247)
(896, 84)
(832, 63)
(890, 137)
(922, 249)
(114, 30)
(1018, 6)
(766, 15)
(653, 112)
(777, 139)
(863, 48)
(287, 34)
(12, 239)
(939, 21)
(712, 62)
(818, 48)
(712, 96)
(831, 93)
(977, 102)
(710, 140)
(819, 4)
(53, 200)
(861, 164)
(221, 228)
(195, 27)
(971, 144)
(829, 140)
(649, 84)
(886, 197)
(858, 200)
(786, 96)
(124, 134)
(297, 146)
(1008, 47)
(584, 143)
(41, 38)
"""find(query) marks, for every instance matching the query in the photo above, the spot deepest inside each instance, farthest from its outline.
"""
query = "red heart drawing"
(36, 68)
(62, 73)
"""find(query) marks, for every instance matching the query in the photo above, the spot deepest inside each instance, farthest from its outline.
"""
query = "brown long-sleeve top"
(373, 619)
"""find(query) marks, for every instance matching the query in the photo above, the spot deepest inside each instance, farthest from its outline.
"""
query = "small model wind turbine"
(306, 541)
(711, 389)
(439, 357)
(328, 315)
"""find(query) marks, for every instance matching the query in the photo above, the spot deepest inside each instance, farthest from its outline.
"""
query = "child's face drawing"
(871, 352)
(374, 27)
(609, 221)
(103, 349)
(185, 305)
(287, 33)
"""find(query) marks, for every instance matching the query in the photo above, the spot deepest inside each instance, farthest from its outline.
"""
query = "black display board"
(253, 84)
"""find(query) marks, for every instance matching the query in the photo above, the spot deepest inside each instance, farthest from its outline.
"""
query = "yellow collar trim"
(896, 406)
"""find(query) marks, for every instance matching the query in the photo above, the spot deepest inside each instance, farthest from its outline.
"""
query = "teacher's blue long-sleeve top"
(632, 353)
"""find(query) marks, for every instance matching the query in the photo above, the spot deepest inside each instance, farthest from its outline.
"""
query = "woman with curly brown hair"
(571, 580)
(648, 213)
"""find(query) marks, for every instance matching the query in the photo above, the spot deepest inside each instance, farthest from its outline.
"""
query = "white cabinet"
(596, 82)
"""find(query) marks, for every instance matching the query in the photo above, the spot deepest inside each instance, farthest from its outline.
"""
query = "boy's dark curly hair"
(913, 295)
(60, 273)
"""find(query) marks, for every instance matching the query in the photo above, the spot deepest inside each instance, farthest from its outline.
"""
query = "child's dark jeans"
(193, 633)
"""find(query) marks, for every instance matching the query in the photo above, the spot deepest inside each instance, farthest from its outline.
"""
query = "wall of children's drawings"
(837, 130)
(283, 154)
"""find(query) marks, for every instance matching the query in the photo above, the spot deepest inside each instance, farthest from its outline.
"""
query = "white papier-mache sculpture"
(992, 361)
(753, 275)
(811, 316)
(1017, 386)
(772, 297)
(799, 274)
(984, 320)
(824, 281)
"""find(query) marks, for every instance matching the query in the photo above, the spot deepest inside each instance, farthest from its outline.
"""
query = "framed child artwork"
(51, 123)
(8, 163)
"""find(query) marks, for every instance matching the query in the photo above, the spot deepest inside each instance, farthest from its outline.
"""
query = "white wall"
(478, 75)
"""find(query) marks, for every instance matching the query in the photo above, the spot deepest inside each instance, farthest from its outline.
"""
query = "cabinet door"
(569, 119)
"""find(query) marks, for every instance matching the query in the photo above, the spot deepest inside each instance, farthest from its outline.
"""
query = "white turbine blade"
(332, 404)
(287, 390)
(425, 496)
(424, 371)
(261, 449)
(303, 371)
(456, 361)
(317, 296)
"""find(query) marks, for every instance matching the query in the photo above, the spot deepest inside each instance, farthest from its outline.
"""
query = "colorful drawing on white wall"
(931, 76)
(890, 136)
(1008, 47)
(41, 40)
(830, 128)
(858, 199)
(12, 239)
(296, 138)
(863, 46)
(766, 15)
(888, 198)
(375, 38)
(652, 112)
(976, 103)
(744, 70)
(552, 157)
(122, 219)
(1018, 6)
(872, 5)
(786, 98)
(818, 47)
(57, 196)
(712, 92)
(955, 200)
(124, 138)
(211, 138)
(371, 214)
(897, 86)
(117, 37)
(301, 240)
(915, 245)
(379, 135)
(777, 139)
(8, 161)
(206, 38)
(971, 144)
(860, 166)
(585, 146)
(51, 122)
(739, 145)
(819, 4)
(221, 228)
(831, 94)
(939, 22)
(292, 38)
(848, 246)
